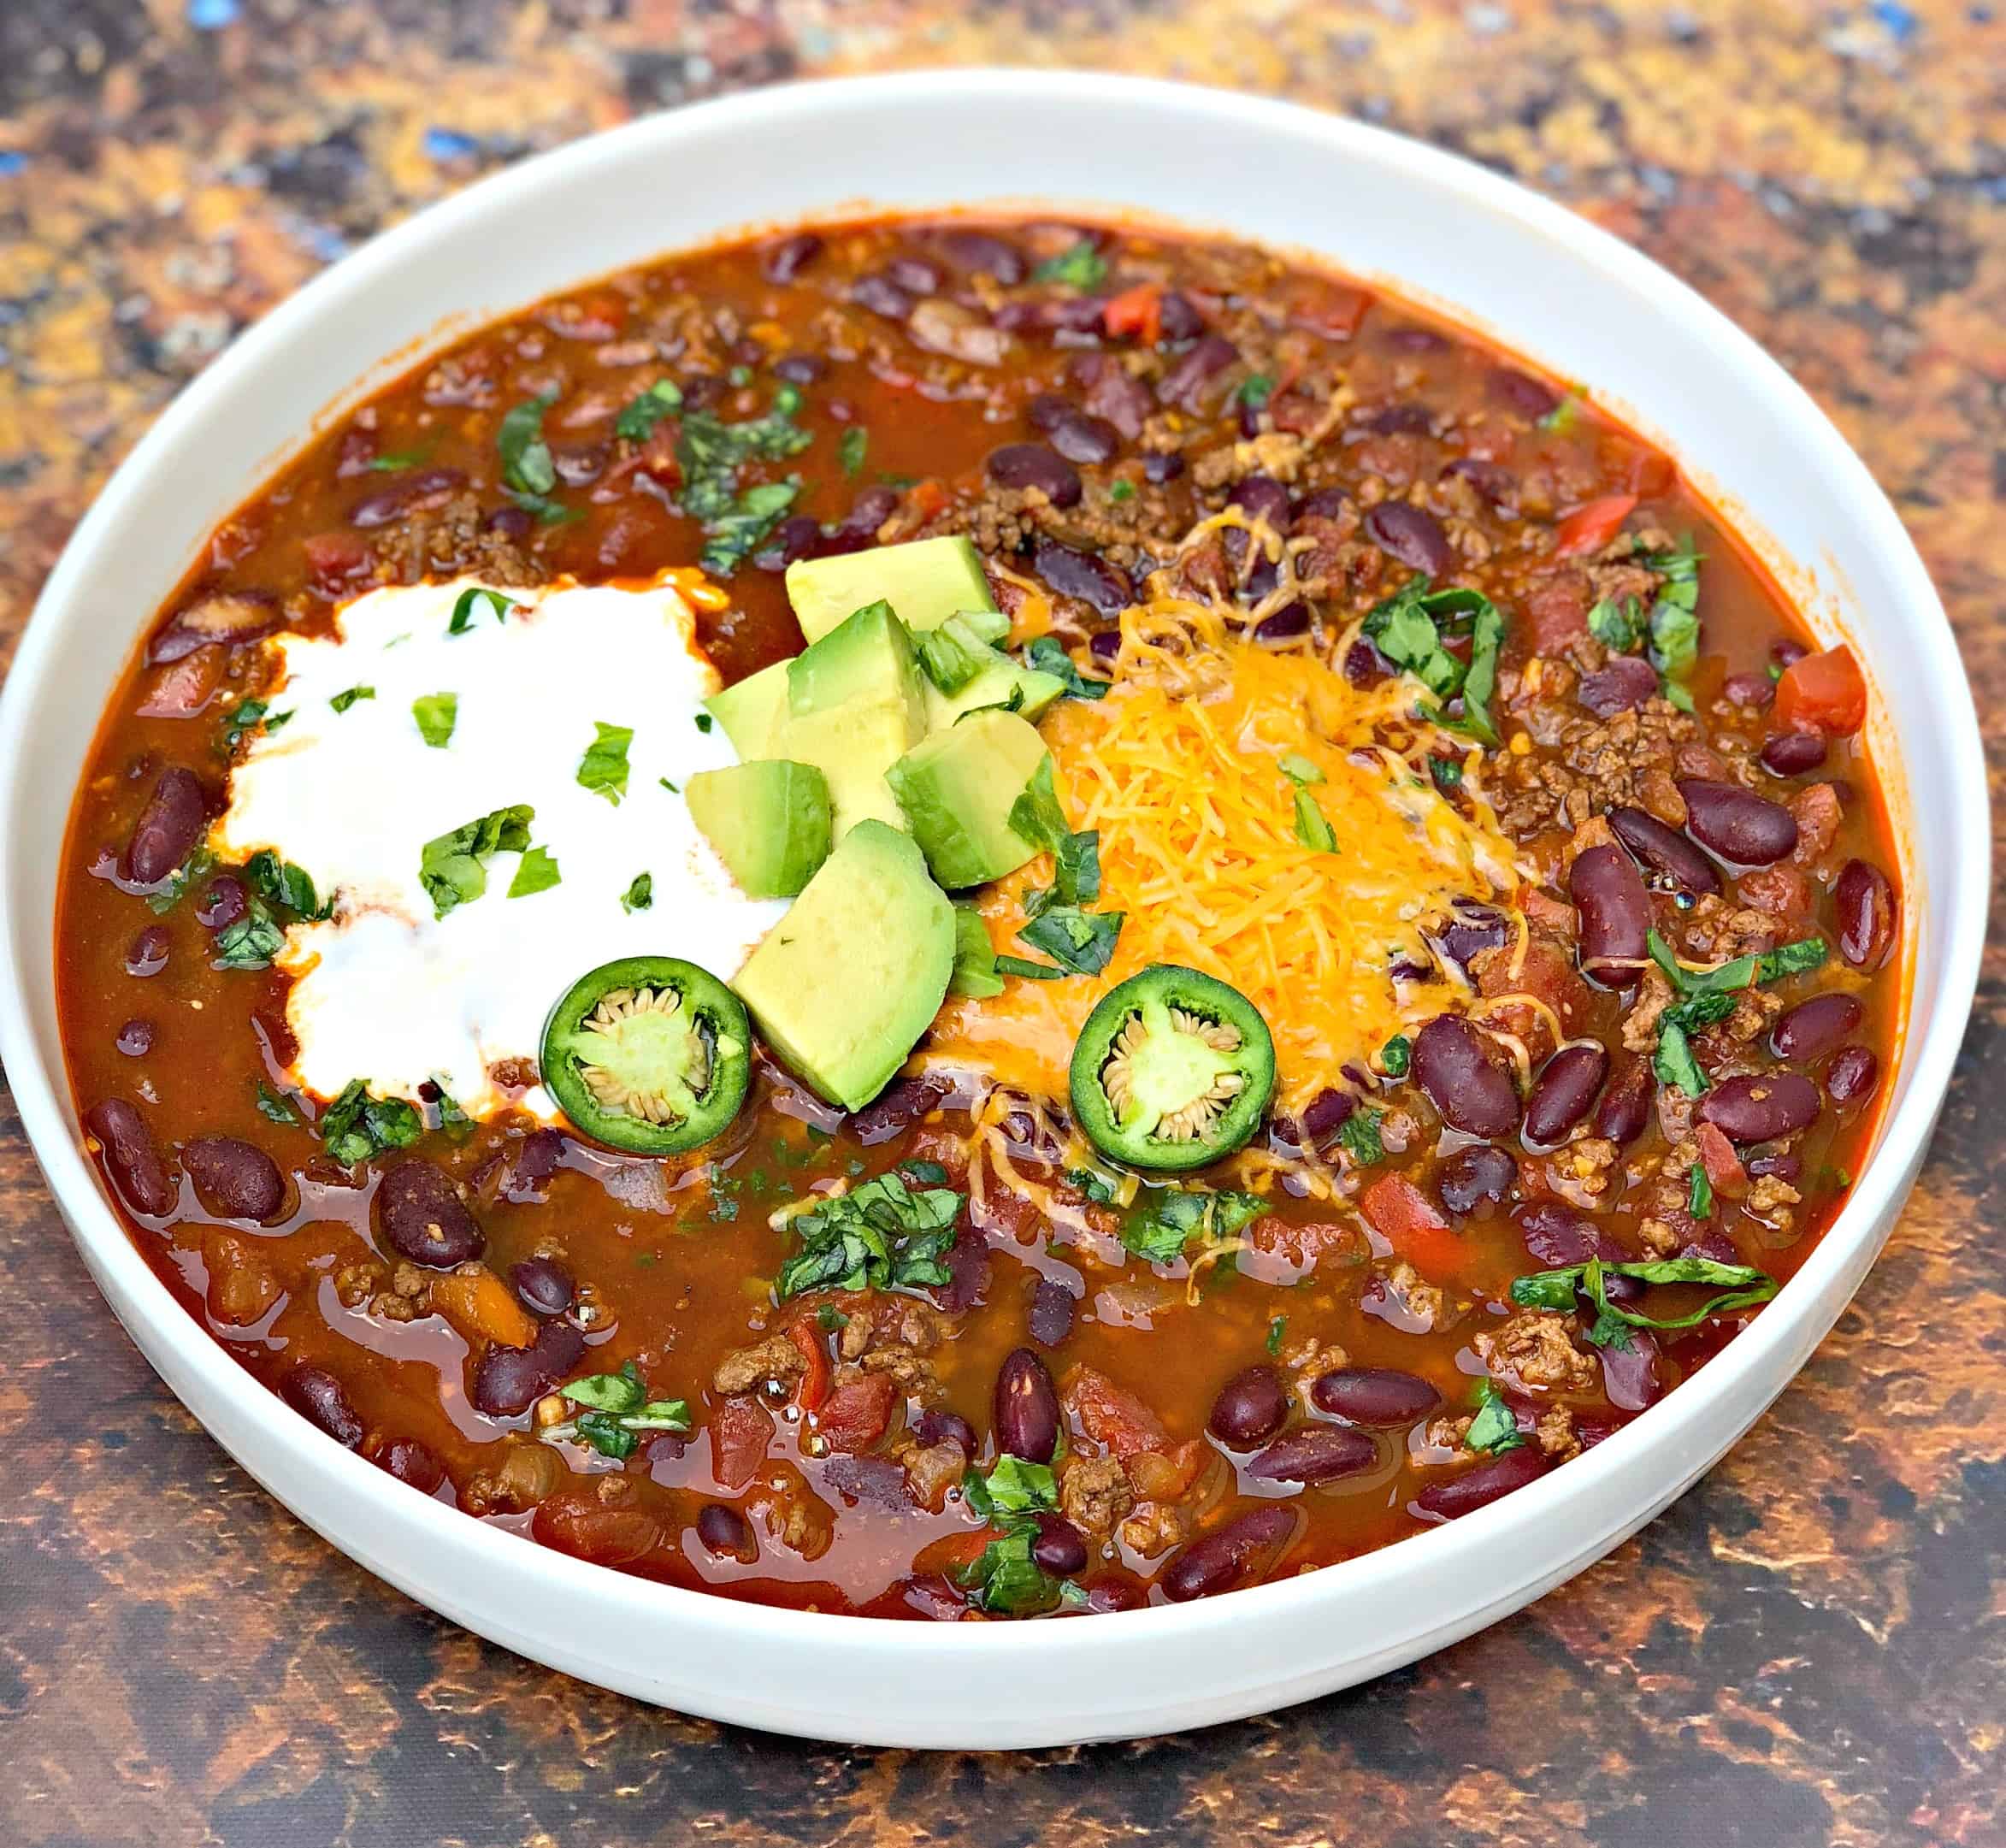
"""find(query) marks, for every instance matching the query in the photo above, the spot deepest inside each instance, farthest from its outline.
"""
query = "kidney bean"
(1631, 1375)
(1159, 466)
(1565, 1091)
(896, 1109)
(1815, 1026)
(1479, 1487)
(316, 1395)
(1786, 651)
(787, 258)
(1080, 438)
(137, 1172)
(1760, 1109)
(412, 1463)
(509, 1380)
(1250, 1409)
(1177, 319)
(726, 1533)
(1616, 915)
(1530, 396)
(1471, 929)
(236, 1179)
(1026, 1407)
(1284, 625)
(1326, 1114)
(1047, 411)
(231, 617)
(944, 1427)
(1264, 498)
(797, 537)
(1053, 1309)
(1786, 1166)
(1116, 1590)
(985, 253)
(1105, 647)
(800, 368)
(1058, 1549)
(1476, 1176)
(421, 1217)
(1313, 1453)
(1623, 686)
(914, 274)
(168, 828)
(1865, 902)
(1492, 480)
(223, 902)
(1380, 1396)
(1032, 465)
(1557, 1237)
(1093, 580)
(1791, 754)
(1473, 1094)
(422, 493)
(1755, 690)
(868, 512)
(1223, 1558)
(1183, 384)
(542, 1286)
(1664, 849)
(1397, 420)
(1626, 1107)
(1744, 829)
(1411, 535)
(882, 297)
(147, 953)
(1853, 1076)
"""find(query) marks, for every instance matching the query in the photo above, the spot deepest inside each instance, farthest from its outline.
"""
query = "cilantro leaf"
(452, 868)
(639, 415)
(1080, 267)
(602, 768)
(1736, 1286)
(536, 872)
(1699, 1200)
(465, 606)
(1494, 1430)
(1049, 655)
(436, 714)
(526, 467)
(1408, 628)
(852, 447)
(357, 1125)
(1618, 628)
(617, 1411)
(342, 701)
(737, 533)
(880, 1234)
(1359, 1136)
(640, 894)
(273, 1106)
(1396, 1056)
(1162, 1225)
(1079, 941)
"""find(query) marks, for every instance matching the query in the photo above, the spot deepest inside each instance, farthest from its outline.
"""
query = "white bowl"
(1440, 230)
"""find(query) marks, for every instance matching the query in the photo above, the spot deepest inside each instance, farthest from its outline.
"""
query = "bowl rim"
(42, 1093)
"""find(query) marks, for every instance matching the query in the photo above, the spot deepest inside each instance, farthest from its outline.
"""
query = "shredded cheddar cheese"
(1179, 769)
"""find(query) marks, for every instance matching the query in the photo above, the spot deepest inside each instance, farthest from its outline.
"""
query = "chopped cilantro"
(1121, 490)
(1277, 1328)
(436, 714)
(639, 415)
(537, 872)
(851, 446)
(528, 470)
(1494, 1430)
(357, 1125)
(711, 452)
(342, 701)
(1080, 267)
(640, 894)
(617, 1410)
(245, 716)
(1737, 1285)
(1255, 390)
(452, 868)
(880, 1234)
(1161, 1225)
(1699, 1201)
(705, 723)
(465, 606)
(1396, 1055)
(1090, 1182)
(1082, 942)
(397, 461)
(602, 768)
(1408, 628)
(1359, 1136)
(1047, 655)
(273, 1106)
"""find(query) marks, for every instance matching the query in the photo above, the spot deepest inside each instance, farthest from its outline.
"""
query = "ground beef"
(1535, 1350)
(1094, 1493)
(1604, 765)
(775, 1361)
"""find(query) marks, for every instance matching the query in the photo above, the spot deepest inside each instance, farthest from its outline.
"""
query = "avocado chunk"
(769, 822)
(753, 710)
(925, 581)
(957, 789)
(855, 705)
(844, 985)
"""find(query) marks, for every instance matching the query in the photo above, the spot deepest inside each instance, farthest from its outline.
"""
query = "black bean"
(1865, 902)
(1080, 438)
(1381, 1396)
(147, 953)
(1477, 1488)
(1326, 1114)
(726, 1533)
(944, 1427)
(1626, 1107)
(1476, 1176)
(1760, 1109)
(1032, 465)
(1250, 1409)
(316, 1395)
(542, 1286)
(1471, 929)
(168, 828)
(1184, 384)
(222, 903)
(1229, 1554)
(1473, 1093)
(1755, 689)
(1624, 685)
(790, 256)
(1059, 1548)
(1026, 1407)
(234, 1179)
(1853, 1076)
(1564, 1093)
(1159, 466)
(1048, 409)
(421, 493)
(1813, 1028)
(800, 368)
(1664, 849)
(1105, 646)
(1791, 754)
(1286, 624)
(509, 1380)
(897, 1108)
(1397, 420)
(421, 1217)
(985, 253)
(1093, 580)
(915, 275)
(135, 1038)
(1528, 396)
(1053, 1309)
(515, 524)
(1411, 535)
(1314, 1453)
(1616, 916)
(412, 1463)
(882, 295)
(797, 537)
(867, 512)
(137, 1172)
(1744, 829)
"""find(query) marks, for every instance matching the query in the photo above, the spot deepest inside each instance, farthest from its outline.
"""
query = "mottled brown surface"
(1809, 1647)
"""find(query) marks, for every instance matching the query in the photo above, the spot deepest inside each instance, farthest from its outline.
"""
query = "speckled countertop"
(1810, 1648)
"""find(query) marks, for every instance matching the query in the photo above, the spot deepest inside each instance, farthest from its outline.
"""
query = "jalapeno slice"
(1172, 1069)
(650, 1054)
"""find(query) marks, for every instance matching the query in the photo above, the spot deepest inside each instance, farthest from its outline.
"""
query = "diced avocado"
(856, 705)
(769, 822)
(957, 789)
(753, 711)
(925, 581)
(844, 985)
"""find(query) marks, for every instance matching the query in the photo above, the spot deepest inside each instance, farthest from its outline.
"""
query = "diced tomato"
(741, 1430)
(1333, 311)
(1589, 527)
(1167, 1475)
(1404, 1216)
(1823, 692)
(1111, 1414)
(814, 1386)
(478, 1302)
(927, 499)
(854, 1416)
(1136, 313)
(1556, 608)
(584, 1528)
(1725, 1173)
(1307, 1242)
(1651, 475)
